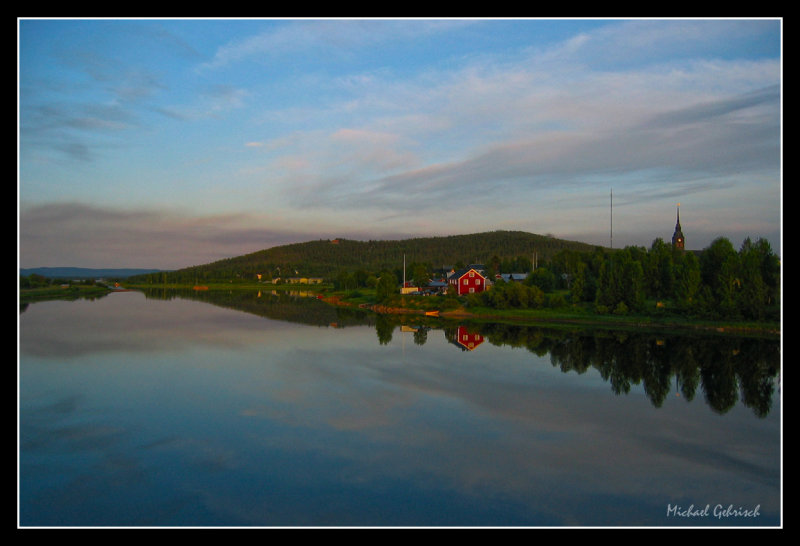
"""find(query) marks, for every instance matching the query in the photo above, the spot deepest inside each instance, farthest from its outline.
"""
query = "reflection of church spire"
(677, 237)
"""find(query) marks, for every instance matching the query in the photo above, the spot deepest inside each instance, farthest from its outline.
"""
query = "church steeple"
(677, 237)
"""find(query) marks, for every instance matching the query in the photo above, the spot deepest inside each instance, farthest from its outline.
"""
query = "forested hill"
(326, 258)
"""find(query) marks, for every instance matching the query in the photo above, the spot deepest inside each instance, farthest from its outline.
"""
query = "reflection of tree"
(687, 371)
(759, 366)
(277, 306)
(726, 369)
(72, 293)
(719, 383)
(658, 372)
(384, 327)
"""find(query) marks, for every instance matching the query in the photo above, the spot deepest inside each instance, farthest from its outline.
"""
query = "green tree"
(360, 277)
(420, 276)
(344, 281)
(658, 270)
(686, 281)
(719, 267)
(386, 287)
(544, 278)
(494, 265)
(577, 285)
(621, 280)
(769, 266)
(752, 294)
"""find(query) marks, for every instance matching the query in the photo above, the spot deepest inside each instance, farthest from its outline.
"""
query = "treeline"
(716, 283)
(35, 280)
(330, 258)
(35, 287)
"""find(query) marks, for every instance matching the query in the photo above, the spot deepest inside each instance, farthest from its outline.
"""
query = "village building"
(433, 287)
(678, 242)
(467, 281)
(304, 280)
(436, 287)
(409, 288)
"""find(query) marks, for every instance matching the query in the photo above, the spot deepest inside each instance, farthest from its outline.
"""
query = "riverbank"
(573, 316)
(450, 308)
(71, 292)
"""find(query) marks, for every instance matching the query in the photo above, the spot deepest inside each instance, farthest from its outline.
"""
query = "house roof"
(461, 272)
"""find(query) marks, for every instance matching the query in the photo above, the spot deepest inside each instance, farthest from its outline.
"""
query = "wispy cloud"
(165, 238)
(712, 138)
(326, 38)
(327, 123)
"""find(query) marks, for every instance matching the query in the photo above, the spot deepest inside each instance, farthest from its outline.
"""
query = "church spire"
(677, 237)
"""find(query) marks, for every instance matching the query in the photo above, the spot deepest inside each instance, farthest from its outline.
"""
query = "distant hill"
(84, 272)
(325, 258)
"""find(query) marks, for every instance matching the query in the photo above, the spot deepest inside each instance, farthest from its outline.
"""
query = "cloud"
(637, 43)
(91, 236)
(378, 123)
(325, 39)
(697, 142)
(94, 83)
(496, 130)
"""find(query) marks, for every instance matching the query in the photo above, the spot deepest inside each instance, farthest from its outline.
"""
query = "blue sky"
(171, 143)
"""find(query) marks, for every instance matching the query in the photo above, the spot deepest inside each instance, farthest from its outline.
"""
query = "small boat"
(200, 287)
(431, 313)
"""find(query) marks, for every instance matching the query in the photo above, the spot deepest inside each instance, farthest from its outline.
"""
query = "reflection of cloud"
(98, 327)
(469, 429)
(333, 409)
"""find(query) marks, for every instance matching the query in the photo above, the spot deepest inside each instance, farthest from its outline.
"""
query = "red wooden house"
(467, 281)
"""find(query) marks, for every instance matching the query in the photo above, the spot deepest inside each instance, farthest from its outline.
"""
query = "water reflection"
(137, 411)
(726, 369)
(289, 306)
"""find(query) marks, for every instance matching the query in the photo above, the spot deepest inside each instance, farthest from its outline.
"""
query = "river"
(258, 410)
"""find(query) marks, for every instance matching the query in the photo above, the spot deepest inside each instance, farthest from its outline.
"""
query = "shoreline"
(458, 313)
(461, 313)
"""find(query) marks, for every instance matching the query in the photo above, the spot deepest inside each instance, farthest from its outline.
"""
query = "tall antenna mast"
(611, 232)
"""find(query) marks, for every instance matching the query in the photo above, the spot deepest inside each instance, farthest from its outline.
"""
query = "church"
(678, 242)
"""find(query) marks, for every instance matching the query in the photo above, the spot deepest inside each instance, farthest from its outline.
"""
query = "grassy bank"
(457, 308)
(223, 286)
(72, 292)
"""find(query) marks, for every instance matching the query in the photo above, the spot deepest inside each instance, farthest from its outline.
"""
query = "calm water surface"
(255, 410)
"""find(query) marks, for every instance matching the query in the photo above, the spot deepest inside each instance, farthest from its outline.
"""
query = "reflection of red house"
(467, 281)
(468, 339)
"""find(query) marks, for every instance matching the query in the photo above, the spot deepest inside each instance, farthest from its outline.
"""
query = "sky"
(167, 143)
